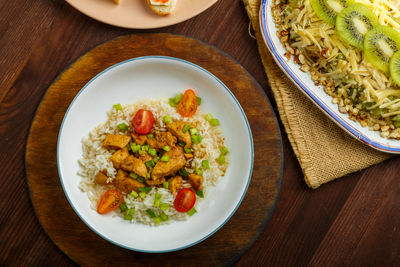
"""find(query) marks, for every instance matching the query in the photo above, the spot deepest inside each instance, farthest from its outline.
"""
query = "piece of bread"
(162, 10)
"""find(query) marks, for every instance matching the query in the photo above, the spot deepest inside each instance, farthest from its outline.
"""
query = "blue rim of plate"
(304, 88)
(237, 103)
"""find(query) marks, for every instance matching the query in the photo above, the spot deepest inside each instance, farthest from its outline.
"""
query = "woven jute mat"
(324, 150)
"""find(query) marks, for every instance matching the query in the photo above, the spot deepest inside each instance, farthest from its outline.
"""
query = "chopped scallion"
(221, 159)
(208, 117)
(198, 171)
(140, 179)
(193, 131)
(145, 189)
(145, 147)
(149, 164)
(157, 220)
(151, 213)
(135, 148)
(198, 99)
(214, 122)
(156, 202)
(164, 206)
(123, 127)
(200, 193)
(127, 217)
(178, 98)
(181, 144)
(157, 196)
(183, 172)
(165, 158)
(167, 119)
(156, 159)
(134, 194)
(165, 185)
(142, 194)
(117, 106)
(188, 150)
(196, 139)
(131, 211)
(133, 175)
(152, 152)
(186, 128)
(150, 136)
(166, 148)
(224, 150)
(123, 207)
(191, 211)
(205, 164)
(163, 217)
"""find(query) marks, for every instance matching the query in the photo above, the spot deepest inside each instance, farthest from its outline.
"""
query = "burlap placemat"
(324, 150)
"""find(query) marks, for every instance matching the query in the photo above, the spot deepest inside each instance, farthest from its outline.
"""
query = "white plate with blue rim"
(156, 77)
(316, 93)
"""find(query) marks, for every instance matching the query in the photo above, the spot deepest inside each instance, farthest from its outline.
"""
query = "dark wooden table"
(354, 220)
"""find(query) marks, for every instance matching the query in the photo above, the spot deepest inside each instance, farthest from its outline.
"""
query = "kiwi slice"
(354, 22)
(380, 44)
(327, 10)
(395, 68)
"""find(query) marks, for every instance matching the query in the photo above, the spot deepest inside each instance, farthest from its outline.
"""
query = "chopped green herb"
(145, 189)
(214, 122)
(200, 193)
(208, 117)
(181, 144)
(205, 164)
(191, 211)
(196, 139)
(198, 99)
(172, 102)
(127, 217)
(140, 179)
(221, 159)
(149, 164)
(156, 202)
(150, 136)
(186, 128)
(123, 127)
(183, 172)
(133, 175)
(188, 150)
(198, 171)
(165, 158)
(142, 152)
(166, 148)
(163, 217)
(167, 119)
(142, 194)
(164, 206)
(152, 152)
(165, 185)
(134, 194)
(156, 159)
(151, 213)
(135, 148)
(157, 220)
(175, 100)
(145, 147)
(157, 196)
(224, 150)
(123, 207)
(131, 211)
(117, 106)
(193, 131)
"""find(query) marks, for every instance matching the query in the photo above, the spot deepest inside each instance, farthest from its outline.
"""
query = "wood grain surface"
(351, 221)
(65, 228)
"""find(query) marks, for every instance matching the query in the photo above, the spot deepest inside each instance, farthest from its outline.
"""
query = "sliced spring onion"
(151, 213)
(183, 172)
(117, 106)
(224, 150)
(157, 196)
(157, 202)
(152, 152)
(186, 128)
(193, 131)
(166, 148)
(135, 148)
(200, 193)
(123, 207)
(140, 179)
(167, 119)
(150, 136)
(127, 217)
(208, 117)
(205, 164)
(175, 100)
(221, 159)
(134, 194)
(198, 171)
(142, 194)
(165, 185)
(188, 150)
(181, 144)
(142, 152)
(133, 175)
(165, 158)
(131, 211)
(149, 164)
(156, 159)
(196, 139)
(214, 122)
(163, 217)
(145, 147)
(191, 211)
(123, 127)
(145, 189)
(198, 99)
(157, 220)
(164, 206)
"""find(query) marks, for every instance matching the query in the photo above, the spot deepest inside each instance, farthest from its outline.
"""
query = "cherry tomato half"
(111, 200)
(143, 121)
(185, 200)
(188, 104)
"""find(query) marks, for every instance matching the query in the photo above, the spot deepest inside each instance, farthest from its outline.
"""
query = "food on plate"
(153, 161)
(351, 48)
(162, 7)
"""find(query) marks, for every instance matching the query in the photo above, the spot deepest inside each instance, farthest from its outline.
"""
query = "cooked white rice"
(95, 158)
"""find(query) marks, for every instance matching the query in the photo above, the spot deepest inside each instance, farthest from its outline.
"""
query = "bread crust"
(162, 10)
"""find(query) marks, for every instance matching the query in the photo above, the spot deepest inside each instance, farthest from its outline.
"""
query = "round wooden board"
(80, 243)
